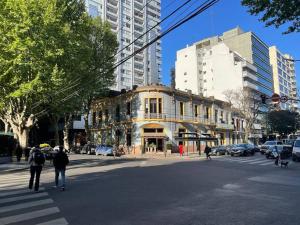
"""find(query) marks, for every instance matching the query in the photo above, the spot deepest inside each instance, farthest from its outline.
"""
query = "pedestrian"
(60, 161)
(181, 149)
(207, 151)
(18, 152)
(36, 161)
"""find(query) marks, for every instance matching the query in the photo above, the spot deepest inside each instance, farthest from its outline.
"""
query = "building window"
(106, 114)
(181, 108)
(153, 106)
(94, 118)
(128, 108)
(216, 115)
(160, 105)
(196, 111)
(100, 117)
(206, 112)
(118, 115)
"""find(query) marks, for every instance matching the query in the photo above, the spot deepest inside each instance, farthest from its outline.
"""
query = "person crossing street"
(207, 151)
(36, 161)
(60, 161)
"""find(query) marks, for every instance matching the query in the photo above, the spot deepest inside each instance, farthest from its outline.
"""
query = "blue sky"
(225, 15)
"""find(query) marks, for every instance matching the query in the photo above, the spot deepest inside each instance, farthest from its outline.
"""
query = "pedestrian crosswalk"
(19, 205)
(259, 161)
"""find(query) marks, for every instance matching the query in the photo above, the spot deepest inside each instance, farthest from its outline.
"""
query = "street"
(178, 191)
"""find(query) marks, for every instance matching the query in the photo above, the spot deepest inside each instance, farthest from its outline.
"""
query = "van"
(296, 150)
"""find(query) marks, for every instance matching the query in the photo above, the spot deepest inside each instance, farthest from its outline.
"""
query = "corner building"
(129, 19)
(149, 118)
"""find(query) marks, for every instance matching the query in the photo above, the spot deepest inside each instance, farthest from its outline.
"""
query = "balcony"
(154, 116)
(224, 126)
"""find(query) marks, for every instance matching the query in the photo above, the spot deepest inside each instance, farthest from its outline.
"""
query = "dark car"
(242, 150)
(229, 148)
(218, 150)
(88, 149)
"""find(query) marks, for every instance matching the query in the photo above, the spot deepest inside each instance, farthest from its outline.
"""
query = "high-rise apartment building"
(210, 68)
(129, 19)
(255, 51)
(284, 76)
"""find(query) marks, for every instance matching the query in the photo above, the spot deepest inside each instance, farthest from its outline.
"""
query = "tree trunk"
(67, 125)
(23, 137)
(86, 126)
(54, 120)
(6, 127)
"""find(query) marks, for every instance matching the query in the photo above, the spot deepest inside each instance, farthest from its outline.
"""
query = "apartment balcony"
(249, 65)
(249, 75)
(112, 18)
(113, 3)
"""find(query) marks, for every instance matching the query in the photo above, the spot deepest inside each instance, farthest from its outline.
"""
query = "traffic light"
(263, 99)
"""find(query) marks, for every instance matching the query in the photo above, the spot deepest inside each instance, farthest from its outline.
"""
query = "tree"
(276, 12)
(100, 72)
(244, 102)
(41, 47)
(283, 121)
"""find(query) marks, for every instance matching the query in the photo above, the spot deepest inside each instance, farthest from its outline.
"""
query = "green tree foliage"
(283, 121)
(276, 12)
(46, 48)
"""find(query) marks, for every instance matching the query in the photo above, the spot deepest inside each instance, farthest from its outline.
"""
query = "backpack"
(39, 158)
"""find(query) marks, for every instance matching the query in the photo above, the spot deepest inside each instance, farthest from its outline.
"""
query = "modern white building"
(129, 19)
(210, 68)
(284, 76)
(235, 59)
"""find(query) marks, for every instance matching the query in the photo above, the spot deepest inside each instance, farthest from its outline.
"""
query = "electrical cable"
(207, 4)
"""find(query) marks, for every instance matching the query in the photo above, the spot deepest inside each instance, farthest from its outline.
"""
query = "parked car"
(269, 144)
(296, 150)
(242, 150)
(229, 148)
(88, 149)
(218, 150)
(104, 150)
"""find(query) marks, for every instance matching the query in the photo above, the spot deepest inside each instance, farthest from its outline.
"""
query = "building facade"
(129, 19)
(210, 68)
(233, 60)
(284, 76)
(149, 118)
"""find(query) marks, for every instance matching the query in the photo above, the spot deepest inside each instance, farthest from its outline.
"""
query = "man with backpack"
(60, 161)
(36, 161)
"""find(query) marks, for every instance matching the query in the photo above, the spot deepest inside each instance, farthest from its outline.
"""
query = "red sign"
(275, 97)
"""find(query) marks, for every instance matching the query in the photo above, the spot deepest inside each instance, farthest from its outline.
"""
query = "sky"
(223, 16)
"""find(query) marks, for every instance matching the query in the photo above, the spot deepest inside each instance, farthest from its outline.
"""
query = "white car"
(296, 150)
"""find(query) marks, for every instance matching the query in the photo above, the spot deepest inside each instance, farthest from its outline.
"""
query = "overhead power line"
(204, 6)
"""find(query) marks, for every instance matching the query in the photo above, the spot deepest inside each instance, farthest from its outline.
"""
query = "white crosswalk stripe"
(19, 205)
(251, 161)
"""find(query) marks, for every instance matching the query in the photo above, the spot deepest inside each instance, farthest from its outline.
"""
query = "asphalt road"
(226, 190)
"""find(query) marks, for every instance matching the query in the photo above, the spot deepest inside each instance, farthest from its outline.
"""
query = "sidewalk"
(172, 156)
(13, 166)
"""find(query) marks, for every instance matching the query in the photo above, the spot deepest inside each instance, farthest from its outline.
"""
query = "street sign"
(275, 97)
(284, 99)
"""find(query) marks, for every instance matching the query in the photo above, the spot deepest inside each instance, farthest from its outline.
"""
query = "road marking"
(260, 161)
(11, 184)
(25, 205)
(268, 163)
(23, 191)
(28, 216)
(61, 221)
(251, 160)
(13, 187)
(18, 198)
